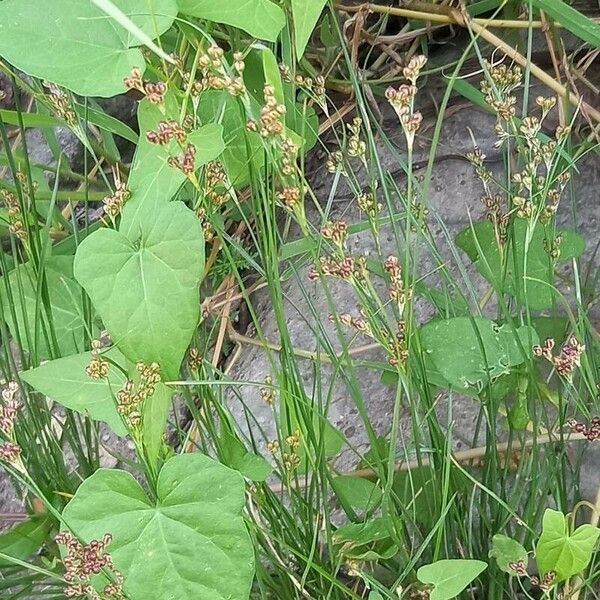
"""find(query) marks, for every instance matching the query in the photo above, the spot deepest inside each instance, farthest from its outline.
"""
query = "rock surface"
(454, 202)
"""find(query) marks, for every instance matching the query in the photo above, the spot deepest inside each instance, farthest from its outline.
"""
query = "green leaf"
(11, 117)
(571, 19)
(358, 492)
(565, 553)
(454, 347)
(66, 381)
(235, 455)
(260, 18)
(554, 327)
(66, 308)
(370, 540)
(189, 544)
(24, 539)
(106, 122)
(151, 17)
(507, 273)
(144, 284)
(507, 551)
(152, 181)
(243, 149)
(375, 596)
(155, 412)
(358, 534)
(262, 67)
(450, 577)
(93, 51)
(306, 13)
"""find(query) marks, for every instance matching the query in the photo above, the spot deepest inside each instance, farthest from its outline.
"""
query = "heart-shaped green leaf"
(152, 181)
(32, 324)
(94, 51)
(189, 544)
(469, 351)
(450, 577)
(144, 284)
(507, 552)
(512, 274)
(262, 19)
(565, 553)
(235, 455)
(306, 14)
(358, 492)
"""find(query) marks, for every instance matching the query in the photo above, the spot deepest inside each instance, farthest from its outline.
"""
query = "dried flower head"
(591, 431)
(568, 359)
(167, 131)
(84, 561)
(185, 162)
(271, 115)
(9, 408)
(113, 204)
(194, 359)
(15, 216)
(413, 69)
(336, 231)
(268, 393)
(131, 397)
(99, 366)
(290, 196)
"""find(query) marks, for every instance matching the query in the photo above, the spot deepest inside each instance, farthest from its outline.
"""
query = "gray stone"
(454, 201)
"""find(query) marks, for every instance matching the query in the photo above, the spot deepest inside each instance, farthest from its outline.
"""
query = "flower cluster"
(214, 71)
(271, 115)
(207, 229)
(60, 103)
(267, 393)
(315, 88)
(113, 204)
(519, 568)
(83, 561)
(10, 451)
(498, 89)
(291, 459)
(215, 179)
(185, 162)
(361, 324)
(99, 366)
(545, 583)
(335, 162)
(402, 98)
(291, 196)
(194, 359)
(131, 397)
(15, 215)
(397, 290)
(356, 146)
(591, 431)
(154, 92)
(568, 359)
(368, 205)
(167, 131)
(9, 408)
(396, 346)
(336, 232)
(342, 269)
